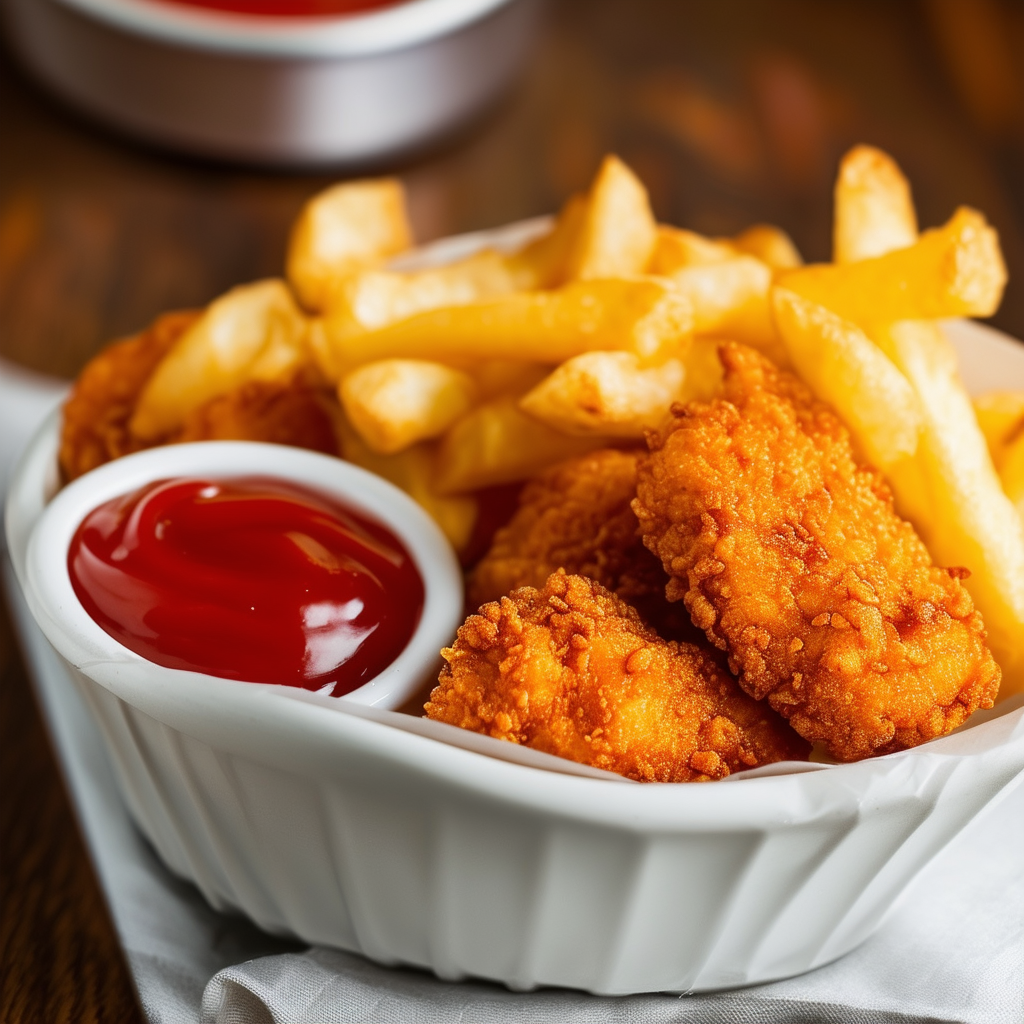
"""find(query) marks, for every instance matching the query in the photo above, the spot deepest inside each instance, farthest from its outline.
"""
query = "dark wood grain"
(733, 111)
(60, 954)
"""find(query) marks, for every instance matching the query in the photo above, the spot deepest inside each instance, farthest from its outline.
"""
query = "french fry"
(371, 299)
(413, 471)
(254, 332)
(676, 248)
(949, 489)
(342, 229)
(646, 315)
(544, 262)
(394, 403)
(955, 270)
(770, 245)
(606, 393)
(497, 443)
(845, 368)
(729, 299)
(972, 522)
(326, 356)
(1012, 474)
(618, 231)
(874, 212)
(703, 376)
(495, 377)
(1000, 416)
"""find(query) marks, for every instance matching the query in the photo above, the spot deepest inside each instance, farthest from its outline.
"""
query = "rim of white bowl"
(83, 642)
(408, 23)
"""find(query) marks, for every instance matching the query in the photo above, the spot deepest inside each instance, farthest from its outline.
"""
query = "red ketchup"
(248, 578)
(289, 8)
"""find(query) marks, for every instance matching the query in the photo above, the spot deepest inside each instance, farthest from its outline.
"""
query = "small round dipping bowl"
(338, 90)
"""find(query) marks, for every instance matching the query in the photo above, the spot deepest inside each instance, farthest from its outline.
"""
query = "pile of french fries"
(488, 369)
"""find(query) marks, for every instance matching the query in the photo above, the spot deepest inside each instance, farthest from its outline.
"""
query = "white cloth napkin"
(952, 949)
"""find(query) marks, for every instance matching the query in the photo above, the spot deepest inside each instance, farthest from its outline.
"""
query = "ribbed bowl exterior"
(350, 845)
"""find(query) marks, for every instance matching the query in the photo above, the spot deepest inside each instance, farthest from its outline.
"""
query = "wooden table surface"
(732, 111)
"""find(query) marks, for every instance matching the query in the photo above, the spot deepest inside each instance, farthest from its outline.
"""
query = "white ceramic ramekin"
(276, 90)
(81, 641)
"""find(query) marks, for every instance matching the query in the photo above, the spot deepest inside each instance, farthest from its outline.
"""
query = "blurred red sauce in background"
(287, 8)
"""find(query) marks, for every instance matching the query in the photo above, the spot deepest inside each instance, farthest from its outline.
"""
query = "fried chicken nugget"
(789, 555)
(572, 670)
(279, 412)
(102, 400)
(576, 516)
(96, 420)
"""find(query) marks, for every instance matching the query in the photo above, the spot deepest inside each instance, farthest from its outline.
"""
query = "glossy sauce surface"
(249, 578)
(287, 8)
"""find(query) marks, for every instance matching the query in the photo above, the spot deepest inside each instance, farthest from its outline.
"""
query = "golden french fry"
(955, 270)
(371, 299)
(397, 402)
(874, 212)
(413, 471)
(497, 443)
(254, 332)
(342, 229)
(770, 245)
(730, 299)
(544, 262)
(325, 357)
(971, 521)
(1000, 417)
(495, 377)
(845, 368)
(676, 248)
(606, 393)
(703, 374)
(1012, 474)
(618, 230)
(646, 315)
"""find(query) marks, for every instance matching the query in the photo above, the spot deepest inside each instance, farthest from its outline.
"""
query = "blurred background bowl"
(348, 89)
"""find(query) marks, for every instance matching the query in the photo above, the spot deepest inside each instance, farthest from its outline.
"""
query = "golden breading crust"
(576, 516)
(280, 412)
(96, 414)
(572, 670)
(789, 555)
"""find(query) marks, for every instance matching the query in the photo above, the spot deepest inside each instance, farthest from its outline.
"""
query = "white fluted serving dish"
(300, 90)
(416, 843)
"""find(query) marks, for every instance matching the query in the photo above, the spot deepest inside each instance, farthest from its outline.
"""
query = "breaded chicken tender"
(576, 516)
(97, 414)
(570, 669)
(102, 400)
(789, 555)
(279, 412)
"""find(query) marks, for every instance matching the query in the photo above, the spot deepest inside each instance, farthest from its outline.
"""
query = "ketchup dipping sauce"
(248, 578)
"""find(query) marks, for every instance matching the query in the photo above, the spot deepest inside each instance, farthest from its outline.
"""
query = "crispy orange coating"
(281, 412)
(95, 428)
(96, 414)
(572, 670)
(789, 555)
(576, 516)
